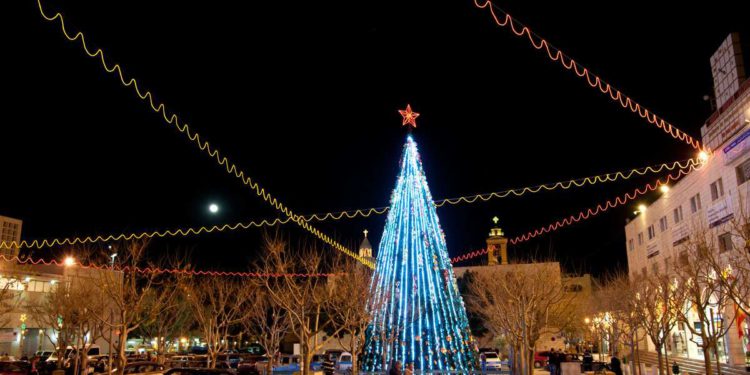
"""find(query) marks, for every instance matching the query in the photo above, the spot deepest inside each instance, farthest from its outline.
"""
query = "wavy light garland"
(195, 138)
(156, 270)
(367, 212)
(555, 54)
(585, 214)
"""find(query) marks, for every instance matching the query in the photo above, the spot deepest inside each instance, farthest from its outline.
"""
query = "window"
(684, 257)
(651, 232)
(663, 223)
(743, 172)
(631, 245)
(640, 238)
(655, 268)
(725, 242)
(678, 214)
(695, 203)
(717, 189)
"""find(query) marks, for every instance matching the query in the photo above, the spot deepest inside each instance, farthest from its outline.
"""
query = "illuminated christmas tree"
(418, 313)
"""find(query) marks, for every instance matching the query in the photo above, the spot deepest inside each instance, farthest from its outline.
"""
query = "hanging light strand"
(504, 19)
(195, 137)
(588, 213)
(152, 270)
(367, 212)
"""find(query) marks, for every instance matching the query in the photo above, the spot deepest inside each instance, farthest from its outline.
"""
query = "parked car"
(70, 351)
(540, 359)
(43, 354)
(247, 366)
(15, 368)
(199, 371)
(144, 368)
(287, 363)
(231, 359)
(491, 361)
(344, 362)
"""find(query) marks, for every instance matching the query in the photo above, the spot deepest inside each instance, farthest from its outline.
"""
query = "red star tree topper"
(409, 116)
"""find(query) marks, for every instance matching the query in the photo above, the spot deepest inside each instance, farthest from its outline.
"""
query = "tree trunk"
(718, 362)
(707, 360)
(121, 360)
(660, 360)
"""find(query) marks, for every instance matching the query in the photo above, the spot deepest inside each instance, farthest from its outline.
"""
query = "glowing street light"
(664, 188)
(213, 208)
(642, 208)
(703, 156)
(69, 261)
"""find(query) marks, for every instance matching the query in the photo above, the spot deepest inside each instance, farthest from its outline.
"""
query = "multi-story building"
(708, 197)
(25, 285)
(10, 234)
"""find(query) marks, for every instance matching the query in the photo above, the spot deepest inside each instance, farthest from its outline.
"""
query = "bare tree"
(705, 293)
(218, 304)
(133, 298)
(268, 322)
(656, 305)
(521, 302)
(617, 298)
(351, 306)
(11, 289)
(175, 318)
(306, 299)
(75, 323)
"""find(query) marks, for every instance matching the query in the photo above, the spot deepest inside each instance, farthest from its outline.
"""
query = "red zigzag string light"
(156, 270)
(555, 54)
(586, 214)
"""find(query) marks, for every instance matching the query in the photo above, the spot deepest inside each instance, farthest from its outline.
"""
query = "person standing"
(409, 369)
(615, 365)
(395, 368)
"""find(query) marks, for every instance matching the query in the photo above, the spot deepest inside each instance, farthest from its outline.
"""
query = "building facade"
(708, 197)
(25, 285)
(10, 235)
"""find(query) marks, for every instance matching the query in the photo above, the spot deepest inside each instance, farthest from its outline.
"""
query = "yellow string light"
(194, 137)
(580, 182)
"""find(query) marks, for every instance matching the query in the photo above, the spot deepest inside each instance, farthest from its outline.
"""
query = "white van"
(94, 351)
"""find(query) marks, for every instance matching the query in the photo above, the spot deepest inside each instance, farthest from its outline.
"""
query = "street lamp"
(69, 261)
(112, 262)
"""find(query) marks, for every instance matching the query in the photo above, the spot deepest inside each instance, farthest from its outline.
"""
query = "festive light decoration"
(366, 212)
(591, 212)
(555, 54)
(618, 201)
(148, 270)
(418, 313)
(410, 117)
(195, 138)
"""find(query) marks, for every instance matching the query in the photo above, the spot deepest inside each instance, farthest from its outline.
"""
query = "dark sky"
(305, 97)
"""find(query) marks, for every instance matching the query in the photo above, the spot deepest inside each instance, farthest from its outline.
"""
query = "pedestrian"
(588, 360)
(409, 369)
(329, 367)
(551, 360)
(483, 361)
(395, 368)
(615, 365)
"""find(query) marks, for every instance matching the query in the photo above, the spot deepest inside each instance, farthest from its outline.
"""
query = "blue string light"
(419, 315)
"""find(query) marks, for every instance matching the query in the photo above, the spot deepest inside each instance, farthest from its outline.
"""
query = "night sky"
(304, 98)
